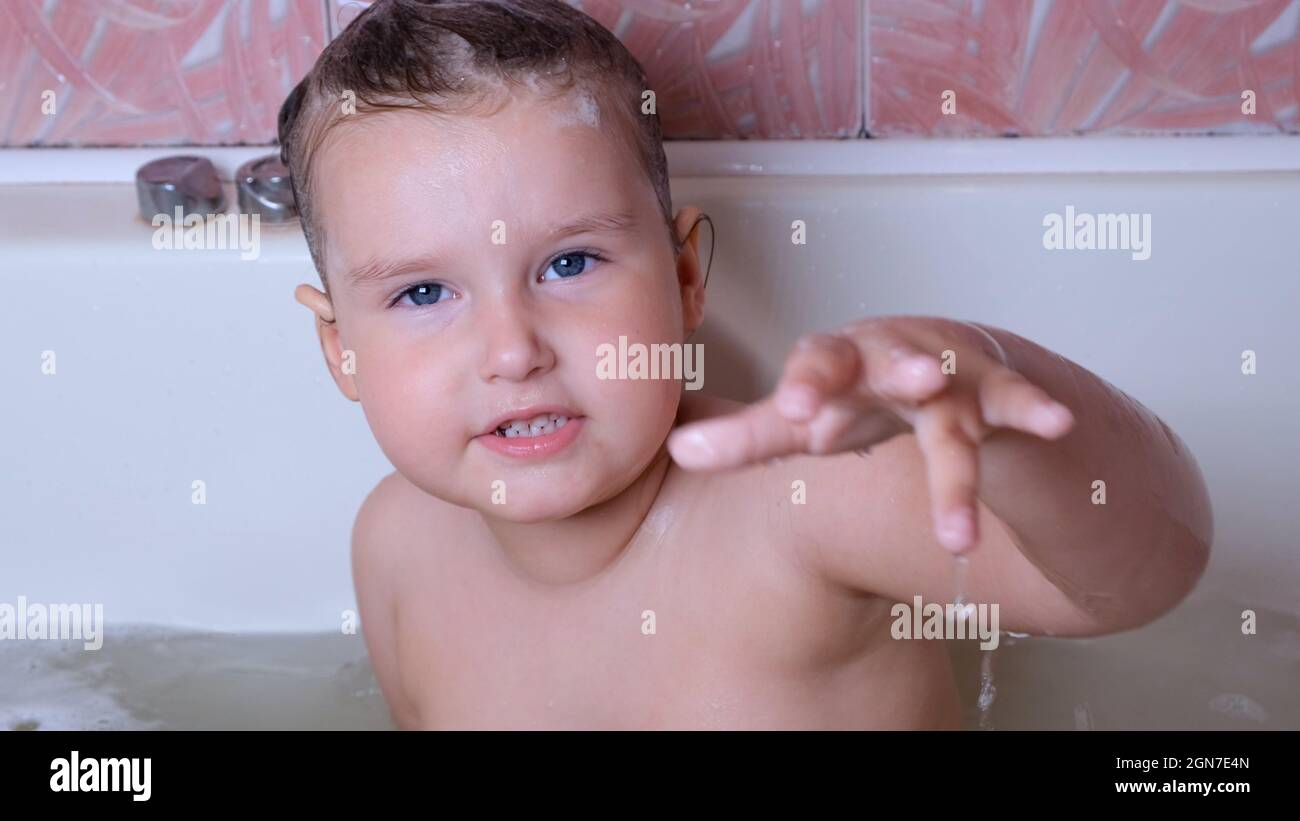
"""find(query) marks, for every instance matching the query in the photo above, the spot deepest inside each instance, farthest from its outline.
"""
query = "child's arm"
(1055, 559)
(373, 571)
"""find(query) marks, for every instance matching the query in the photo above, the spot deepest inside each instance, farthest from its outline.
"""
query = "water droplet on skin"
(988, 691)
(960, 564)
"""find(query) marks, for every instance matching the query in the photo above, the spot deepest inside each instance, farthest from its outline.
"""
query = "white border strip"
(729, 158)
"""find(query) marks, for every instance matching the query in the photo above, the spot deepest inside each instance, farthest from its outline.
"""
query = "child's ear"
(690, 275)
(341, 362)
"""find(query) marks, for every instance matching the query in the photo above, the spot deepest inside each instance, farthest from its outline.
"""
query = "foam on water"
(59, 686)
(1241, 706)
(157, 678)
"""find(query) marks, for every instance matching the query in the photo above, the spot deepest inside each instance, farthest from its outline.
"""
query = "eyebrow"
(616, 222)
(376, 270)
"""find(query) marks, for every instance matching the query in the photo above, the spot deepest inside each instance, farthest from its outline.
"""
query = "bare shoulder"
(389, 513)
(376, 547)
(382, 558)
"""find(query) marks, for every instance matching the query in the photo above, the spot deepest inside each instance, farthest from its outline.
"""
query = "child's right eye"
(422, 294)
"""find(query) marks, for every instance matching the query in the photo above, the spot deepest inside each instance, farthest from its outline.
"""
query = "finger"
(952, 469)
(898, 371)
(753, 434)
(820, 366)
(1009, 400)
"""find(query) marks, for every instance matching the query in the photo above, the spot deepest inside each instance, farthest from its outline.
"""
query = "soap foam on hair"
(584, 112)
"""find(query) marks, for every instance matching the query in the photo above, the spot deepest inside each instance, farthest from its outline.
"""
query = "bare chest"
(708, 623)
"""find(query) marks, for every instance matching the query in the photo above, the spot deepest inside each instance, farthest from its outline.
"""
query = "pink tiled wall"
(731, 69)
(132, 72)
(1083, 66)
(161, 72)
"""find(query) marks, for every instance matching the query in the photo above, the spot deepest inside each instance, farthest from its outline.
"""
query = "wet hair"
(458, 57)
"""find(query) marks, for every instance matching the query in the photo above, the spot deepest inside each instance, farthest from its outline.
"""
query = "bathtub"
(176, 367)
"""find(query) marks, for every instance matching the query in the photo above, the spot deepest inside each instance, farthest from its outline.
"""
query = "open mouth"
(544, 424)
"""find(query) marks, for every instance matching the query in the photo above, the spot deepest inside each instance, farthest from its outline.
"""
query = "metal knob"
(188, 182)
(263, 188)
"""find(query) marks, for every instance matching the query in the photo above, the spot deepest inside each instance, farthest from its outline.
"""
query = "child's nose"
(514, 351)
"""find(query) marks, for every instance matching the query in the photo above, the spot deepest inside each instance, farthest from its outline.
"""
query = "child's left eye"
(572, 263)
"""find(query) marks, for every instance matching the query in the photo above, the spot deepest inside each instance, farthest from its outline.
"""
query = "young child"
(487, 205)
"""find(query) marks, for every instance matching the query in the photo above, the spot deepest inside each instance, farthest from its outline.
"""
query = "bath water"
(182, 679)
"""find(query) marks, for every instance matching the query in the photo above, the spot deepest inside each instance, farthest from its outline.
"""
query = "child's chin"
(532, 510)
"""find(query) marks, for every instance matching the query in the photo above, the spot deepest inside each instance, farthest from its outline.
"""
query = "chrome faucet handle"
(185, 181)
(263, 188)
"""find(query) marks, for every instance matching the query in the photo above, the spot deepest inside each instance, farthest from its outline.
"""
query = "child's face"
(506, 324)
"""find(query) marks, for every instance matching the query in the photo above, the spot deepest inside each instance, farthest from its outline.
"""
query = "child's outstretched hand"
(947, 381)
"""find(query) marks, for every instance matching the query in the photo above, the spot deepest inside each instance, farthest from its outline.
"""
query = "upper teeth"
(539, 425)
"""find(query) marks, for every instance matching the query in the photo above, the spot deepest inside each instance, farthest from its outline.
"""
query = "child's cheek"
(411, 409)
